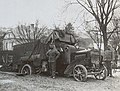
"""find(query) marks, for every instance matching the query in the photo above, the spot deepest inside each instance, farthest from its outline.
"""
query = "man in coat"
(52, 55)
(108, 58)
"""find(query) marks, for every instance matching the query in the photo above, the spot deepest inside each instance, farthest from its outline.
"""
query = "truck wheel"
(26, 69)
(80, 73)
(103, 73)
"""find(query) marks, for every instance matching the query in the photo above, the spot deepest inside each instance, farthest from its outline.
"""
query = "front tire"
(103, 73)
(80, 73)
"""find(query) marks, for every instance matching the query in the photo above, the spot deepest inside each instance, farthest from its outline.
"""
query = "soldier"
(108, 57)
(52, 54)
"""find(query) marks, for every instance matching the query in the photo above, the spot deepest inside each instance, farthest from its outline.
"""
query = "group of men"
(53, 55)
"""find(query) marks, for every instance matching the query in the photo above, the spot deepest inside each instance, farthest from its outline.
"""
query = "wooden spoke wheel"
(80, 73)
(26, 69)
(103, 73)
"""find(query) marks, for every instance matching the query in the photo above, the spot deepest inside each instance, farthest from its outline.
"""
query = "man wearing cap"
(108, 57)
(52, 55)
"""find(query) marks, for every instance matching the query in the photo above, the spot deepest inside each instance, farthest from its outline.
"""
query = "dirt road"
(44, 83)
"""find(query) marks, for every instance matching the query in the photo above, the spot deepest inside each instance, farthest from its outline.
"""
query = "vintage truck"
(30, 58)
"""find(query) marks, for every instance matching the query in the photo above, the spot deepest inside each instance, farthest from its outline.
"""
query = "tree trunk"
(105, 40)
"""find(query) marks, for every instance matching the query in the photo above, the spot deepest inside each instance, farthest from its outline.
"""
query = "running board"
(93, 73)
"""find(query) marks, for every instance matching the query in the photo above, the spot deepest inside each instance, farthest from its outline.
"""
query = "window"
(9, 35)
(6, 46)
(12, 43)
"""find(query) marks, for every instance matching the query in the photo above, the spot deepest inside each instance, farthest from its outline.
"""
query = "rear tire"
(26, 69)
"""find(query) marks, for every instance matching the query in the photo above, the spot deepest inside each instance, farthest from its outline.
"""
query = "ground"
(11, 82)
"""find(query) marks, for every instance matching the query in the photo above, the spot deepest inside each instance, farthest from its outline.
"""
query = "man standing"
(52, 54)
(108, 57)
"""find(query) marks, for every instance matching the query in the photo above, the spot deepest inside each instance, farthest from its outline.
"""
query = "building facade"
(9, 41)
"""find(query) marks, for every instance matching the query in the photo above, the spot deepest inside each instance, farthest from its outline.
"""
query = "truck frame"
(30, 58)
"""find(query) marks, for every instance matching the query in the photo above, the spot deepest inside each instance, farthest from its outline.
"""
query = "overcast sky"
(20, 11)
(48, 12)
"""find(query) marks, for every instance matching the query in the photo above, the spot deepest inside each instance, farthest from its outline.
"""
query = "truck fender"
(70, 67)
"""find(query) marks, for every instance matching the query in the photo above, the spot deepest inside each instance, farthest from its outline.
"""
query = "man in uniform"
(52, 54)
(108, 57)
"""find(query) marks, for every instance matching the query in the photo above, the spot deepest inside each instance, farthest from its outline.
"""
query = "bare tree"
(2, 37)
(115, 38)
(1, 40)
(102, 11)
(96, 36)
(30, 33)
(94, 33)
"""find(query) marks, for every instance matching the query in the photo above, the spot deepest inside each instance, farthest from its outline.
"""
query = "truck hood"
(83, 51)
(73, 49)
